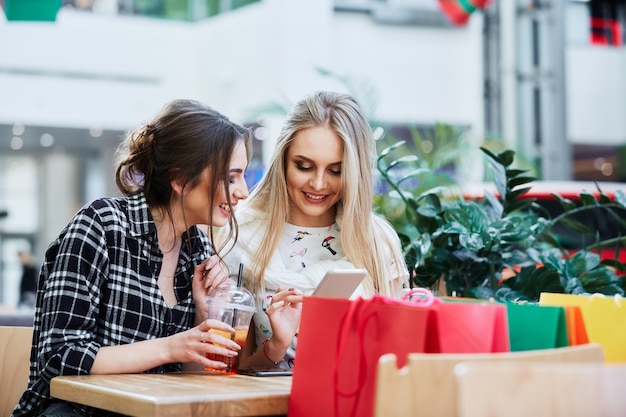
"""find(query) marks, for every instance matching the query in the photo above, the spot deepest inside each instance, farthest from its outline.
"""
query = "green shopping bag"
(533, 326)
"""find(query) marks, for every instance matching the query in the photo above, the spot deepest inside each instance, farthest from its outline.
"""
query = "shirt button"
(170, 329)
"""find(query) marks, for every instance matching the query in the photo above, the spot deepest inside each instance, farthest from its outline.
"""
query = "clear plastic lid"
(234, 297)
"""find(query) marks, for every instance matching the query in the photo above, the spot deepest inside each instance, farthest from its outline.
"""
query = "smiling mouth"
(315, 197)
(224, 207)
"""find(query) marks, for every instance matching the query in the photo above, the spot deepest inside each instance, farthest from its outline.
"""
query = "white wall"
(596, 88)
(91, 70)
(114, 72)
(596, 95)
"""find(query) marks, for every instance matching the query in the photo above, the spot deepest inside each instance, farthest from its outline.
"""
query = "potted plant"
(501, 247)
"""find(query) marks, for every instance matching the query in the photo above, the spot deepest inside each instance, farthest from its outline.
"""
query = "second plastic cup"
(234, 306)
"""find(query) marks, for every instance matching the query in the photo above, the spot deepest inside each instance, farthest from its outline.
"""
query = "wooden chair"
(540, 390)
(426, 386)
(15, 343)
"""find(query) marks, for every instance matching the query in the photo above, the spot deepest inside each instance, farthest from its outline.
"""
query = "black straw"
(232, 336)
(240, 276)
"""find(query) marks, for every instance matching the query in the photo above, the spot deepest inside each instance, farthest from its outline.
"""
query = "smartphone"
(266, 372)
(340, 283)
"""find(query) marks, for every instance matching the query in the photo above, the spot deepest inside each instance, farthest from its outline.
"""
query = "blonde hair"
(368, 240)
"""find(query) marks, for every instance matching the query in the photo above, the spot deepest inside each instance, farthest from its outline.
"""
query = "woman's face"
(196, 199)
(313, 176)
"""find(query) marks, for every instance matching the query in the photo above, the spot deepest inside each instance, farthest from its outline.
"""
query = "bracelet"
(265, 353)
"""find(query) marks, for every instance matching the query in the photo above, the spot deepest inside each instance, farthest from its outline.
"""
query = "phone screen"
(266, 371)
(340, 283)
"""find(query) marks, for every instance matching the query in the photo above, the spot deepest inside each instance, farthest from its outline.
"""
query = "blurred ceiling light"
(427, 146)
(95, 131)
(18, 129)
(17, 143)
(261, 133)
(598, 163)
(607, 169)
(46, 140)
(378, 133)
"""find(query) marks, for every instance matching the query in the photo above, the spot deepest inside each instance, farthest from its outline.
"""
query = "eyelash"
(301, 167)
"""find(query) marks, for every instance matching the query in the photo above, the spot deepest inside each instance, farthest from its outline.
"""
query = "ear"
(177, 186)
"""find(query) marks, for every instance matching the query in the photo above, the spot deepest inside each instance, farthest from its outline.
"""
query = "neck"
(169, 230)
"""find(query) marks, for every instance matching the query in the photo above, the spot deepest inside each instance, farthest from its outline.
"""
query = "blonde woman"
(312, 212)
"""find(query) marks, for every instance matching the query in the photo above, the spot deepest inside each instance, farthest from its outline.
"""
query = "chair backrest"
(540, 389)
(15, 343)
(426, 385)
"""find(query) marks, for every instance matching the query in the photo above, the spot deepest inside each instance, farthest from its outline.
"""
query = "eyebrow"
(313, 162)
(236, 170)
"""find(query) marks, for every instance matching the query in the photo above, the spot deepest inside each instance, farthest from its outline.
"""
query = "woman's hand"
(207, 277)
(194, 344)
(284, 313)
(188, 347)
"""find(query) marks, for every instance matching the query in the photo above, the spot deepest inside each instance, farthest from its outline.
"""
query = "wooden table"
(177, 394)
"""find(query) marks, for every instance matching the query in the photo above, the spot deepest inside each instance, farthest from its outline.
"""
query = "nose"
(240, 192)
(318, 180)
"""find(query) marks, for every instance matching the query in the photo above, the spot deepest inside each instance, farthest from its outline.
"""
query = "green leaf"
(512, 173)
(574, 286)
(428, 211)
(472, 241)
(566, 204)
(587, 199)
(620, 198)
(415, 173)
(498, 170)
(506, 157)
(518, 205)
(514, 194)
(575, 225)
(431, 192)
(516, 181)
(582, 261)
(390, 149)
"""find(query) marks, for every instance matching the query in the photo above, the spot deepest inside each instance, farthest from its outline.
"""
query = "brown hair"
(183, 139)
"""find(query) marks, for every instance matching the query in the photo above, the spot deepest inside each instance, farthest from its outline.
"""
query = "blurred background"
(544, 78)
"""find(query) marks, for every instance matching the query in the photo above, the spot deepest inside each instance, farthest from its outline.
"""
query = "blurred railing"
(185, 10)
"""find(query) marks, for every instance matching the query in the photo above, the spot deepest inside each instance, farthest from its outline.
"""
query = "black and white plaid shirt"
(98, 287)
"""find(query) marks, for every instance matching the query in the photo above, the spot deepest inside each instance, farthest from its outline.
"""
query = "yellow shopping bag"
(604, 317)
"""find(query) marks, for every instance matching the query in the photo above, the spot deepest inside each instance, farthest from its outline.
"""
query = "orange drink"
(232, 363)
(234, 306)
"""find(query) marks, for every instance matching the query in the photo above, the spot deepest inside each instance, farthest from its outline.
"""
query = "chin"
(220, 221)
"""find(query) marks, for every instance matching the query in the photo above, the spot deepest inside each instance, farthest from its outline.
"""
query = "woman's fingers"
(216, 332)
(290, 294)
(214, 274)
(291, 298)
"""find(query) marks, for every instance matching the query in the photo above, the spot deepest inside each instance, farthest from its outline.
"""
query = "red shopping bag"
(339, 344)
(472, 327)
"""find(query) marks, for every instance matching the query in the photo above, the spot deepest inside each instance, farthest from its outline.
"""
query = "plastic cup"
(234, 306)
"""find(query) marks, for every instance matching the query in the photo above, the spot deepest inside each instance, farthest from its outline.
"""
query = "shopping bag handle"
(617, 298)
(359, 313)
(421, 296)
(358, 316)
(352, 316)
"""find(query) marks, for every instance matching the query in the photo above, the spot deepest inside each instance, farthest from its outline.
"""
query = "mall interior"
(545, 78)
